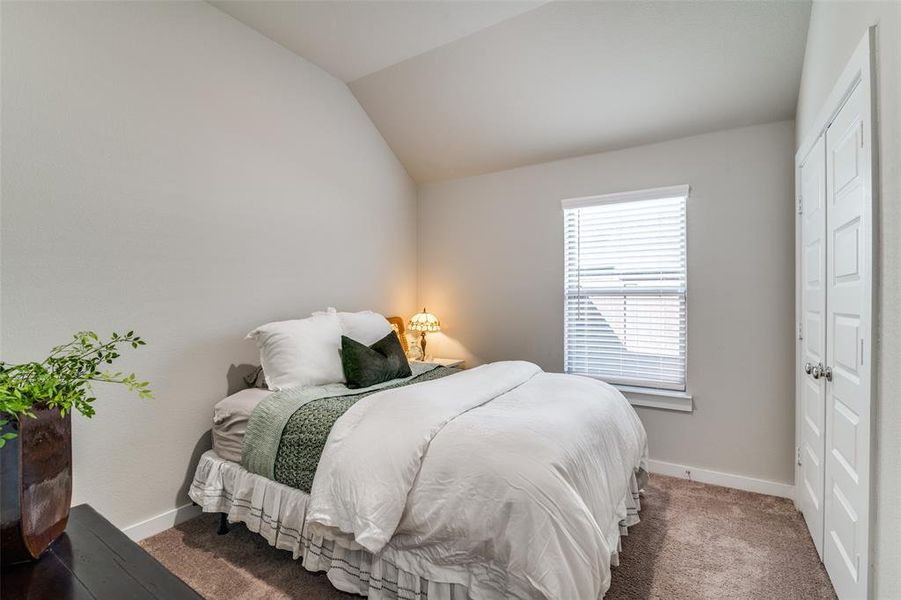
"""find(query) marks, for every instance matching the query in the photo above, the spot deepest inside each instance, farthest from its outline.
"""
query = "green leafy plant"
(65, 379)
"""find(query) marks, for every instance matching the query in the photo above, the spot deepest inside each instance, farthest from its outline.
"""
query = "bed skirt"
(277, 512)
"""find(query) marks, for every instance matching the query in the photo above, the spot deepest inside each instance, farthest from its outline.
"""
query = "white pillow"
(366, 327)
(300, 352)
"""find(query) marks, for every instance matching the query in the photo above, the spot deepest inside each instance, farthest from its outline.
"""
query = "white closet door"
(812, 443)
(848, 310)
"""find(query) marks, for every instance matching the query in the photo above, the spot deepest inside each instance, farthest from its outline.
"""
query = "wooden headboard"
(398, 324)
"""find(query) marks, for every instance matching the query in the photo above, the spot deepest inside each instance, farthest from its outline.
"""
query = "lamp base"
(422, 346)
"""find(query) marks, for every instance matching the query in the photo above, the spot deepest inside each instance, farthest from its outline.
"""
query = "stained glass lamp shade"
(424, 322)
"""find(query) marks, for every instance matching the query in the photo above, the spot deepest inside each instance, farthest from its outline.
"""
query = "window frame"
(657, 397)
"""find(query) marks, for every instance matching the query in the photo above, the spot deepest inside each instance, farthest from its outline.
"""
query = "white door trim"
(858, 69)
(858, 72)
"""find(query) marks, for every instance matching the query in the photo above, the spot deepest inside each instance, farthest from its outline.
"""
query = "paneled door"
(847, 373)
(812, 390)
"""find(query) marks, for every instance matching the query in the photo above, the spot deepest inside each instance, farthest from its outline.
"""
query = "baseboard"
(161, 522)
(739, 482)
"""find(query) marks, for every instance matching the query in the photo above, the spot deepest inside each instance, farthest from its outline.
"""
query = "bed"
(500, 481)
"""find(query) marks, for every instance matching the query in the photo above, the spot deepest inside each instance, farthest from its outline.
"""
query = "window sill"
(651, 398)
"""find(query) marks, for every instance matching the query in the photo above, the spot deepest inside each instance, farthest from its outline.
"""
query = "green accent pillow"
(368, 365)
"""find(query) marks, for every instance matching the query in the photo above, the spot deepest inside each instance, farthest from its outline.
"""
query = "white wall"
(835, 30)
(491, 267)
(167, 169)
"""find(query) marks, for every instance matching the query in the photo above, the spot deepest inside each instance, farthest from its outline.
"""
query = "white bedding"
(230, 418)
(505, 479)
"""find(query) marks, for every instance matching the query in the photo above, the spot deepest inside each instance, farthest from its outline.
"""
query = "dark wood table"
(93, 561)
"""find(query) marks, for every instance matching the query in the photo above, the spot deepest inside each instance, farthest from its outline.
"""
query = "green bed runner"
(287, 431)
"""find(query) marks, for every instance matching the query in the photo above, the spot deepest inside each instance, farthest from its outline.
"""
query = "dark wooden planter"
(36, 483)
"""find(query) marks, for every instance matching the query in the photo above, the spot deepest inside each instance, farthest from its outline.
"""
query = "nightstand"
(445, 362)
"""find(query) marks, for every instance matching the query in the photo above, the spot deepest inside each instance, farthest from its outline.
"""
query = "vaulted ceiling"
(459, 88)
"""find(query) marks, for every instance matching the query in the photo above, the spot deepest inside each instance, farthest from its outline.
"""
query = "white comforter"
(503, 478)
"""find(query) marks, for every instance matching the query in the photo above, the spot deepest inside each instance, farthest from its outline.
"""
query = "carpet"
(694, 541)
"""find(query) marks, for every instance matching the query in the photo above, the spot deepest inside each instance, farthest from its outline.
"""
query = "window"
(626, 287)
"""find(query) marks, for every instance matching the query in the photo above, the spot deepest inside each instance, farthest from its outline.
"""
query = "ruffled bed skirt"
(277, 512)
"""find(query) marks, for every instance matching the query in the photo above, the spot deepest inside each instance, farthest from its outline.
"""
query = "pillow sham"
(300, 352)
(368, 365)
(366, 326)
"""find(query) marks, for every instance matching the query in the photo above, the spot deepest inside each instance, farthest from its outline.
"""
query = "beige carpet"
(694, 541)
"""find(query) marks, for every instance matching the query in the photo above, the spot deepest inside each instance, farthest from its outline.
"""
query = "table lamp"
(423, 322)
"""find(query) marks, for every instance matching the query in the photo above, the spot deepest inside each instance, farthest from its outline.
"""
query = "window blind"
(626, 288)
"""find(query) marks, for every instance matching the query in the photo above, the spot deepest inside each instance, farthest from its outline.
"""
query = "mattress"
(230, 418)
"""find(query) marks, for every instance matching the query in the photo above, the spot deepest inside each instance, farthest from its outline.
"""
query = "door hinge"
(798, 455)
(800, 205)
(800, 332)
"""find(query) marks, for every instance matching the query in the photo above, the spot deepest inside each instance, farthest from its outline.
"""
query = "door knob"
(816, 371)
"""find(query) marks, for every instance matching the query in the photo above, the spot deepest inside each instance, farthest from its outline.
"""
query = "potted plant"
(36, 402)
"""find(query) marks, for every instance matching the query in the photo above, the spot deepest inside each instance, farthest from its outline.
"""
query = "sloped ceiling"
(549, 80)
(353, 38)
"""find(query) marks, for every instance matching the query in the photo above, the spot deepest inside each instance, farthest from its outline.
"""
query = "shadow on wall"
(441, 345)
(203, 444)
(236, 380)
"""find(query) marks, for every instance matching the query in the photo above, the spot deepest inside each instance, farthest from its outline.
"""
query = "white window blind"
(626, 288)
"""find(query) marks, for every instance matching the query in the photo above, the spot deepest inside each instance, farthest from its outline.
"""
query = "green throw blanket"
(287, 431)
